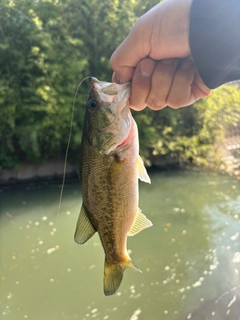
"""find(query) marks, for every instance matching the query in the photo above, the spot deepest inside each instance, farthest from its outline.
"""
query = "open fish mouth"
(104, 87)
(112, 92)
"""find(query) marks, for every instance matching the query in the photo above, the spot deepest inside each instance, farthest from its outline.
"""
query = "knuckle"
(155, 103)
(174, 104)
(137, 107)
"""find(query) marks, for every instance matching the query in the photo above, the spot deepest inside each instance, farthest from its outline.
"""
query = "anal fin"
(84, 228)
(140, 223)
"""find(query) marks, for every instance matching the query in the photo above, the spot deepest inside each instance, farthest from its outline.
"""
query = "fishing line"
(68, 144)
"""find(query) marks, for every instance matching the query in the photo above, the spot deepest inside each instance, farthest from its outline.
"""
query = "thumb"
(161, 33)
(126, 57)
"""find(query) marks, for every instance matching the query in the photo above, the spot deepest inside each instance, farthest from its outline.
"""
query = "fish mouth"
(113, 100)
(105, 87)
(111, 92)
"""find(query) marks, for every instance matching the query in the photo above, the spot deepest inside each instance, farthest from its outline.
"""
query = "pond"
(190, 257)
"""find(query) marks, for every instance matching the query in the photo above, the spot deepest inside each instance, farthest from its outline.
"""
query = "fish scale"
(108, 205)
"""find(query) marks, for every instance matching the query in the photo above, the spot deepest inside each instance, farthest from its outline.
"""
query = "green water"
(189, 257)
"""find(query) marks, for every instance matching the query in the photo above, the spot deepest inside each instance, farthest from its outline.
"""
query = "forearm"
(215, 40)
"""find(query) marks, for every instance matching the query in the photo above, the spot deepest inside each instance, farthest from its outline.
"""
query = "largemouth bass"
(109, 170)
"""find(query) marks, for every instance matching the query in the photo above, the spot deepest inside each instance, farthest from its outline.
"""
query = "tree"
(46, 49)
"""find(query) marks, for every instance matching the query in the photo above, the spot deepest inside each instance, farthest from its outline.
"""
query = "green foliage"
(217, 114)
(220, 110)
(169, 133)
(47, 47)
(190, 133)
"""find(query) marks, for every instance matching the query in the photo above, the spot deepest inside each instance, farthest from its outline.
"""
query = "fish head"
(108, 117)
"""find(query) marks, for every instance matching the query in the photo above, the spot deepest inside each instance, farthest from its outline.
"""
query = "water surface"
(190, 258)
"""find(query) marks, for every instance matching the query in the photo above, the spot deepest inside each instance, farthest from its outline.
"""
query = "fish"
(110, 166)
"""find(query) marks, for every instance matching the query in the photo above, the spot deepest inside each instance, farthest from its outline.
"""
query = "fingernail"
(146, 69)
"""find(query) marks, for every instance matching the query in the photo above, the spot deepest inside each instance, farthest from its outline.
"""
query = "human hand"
(156, 57)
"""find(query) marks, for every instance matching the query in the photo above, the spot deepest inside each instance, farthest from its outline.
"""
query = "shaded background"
(48, 46)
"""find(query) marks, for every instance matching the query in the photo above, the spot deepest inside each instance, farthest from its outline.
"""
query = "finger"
(199, 89)
(124, 75)
(161, 83)
(115, 78)
(141, 83)
(180, 94)
(160, 33)
(134, 48)
(124, 60)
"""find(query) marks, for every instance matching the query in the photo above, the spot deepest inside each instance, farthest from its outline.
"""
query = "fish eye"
(92, 104)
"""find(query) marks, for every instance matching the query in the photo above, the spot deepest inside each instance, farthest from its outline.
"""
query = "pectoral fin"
(140, 223)
(84, 228)
(142, 172)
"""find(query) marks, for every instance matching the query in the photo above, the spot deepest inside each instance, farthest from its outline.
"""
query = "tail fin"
(113, 274)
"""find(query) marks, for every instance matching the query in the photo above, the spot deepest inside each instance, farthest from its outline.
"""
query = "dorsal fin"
(84, 228)
(140, 223)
